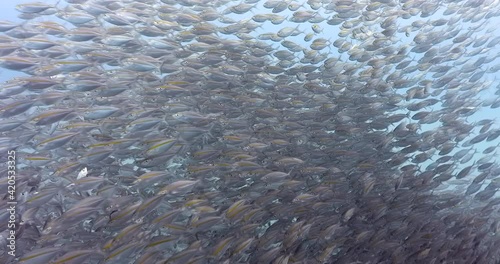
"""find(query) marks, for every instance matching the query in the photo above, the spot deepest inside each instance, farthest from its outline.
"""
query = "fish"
(78, 256)
(56, 141)
(242, 132)
(178, 187)
(35, 7)
(42, 254)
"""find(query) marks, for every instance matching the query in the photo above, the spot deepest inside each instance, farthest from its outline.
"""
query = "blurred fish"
(178, 187)
(40, 255)
(56, 141)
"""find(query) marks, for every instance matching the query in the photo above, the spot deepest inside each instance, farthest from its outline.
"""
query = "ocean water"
(250, 131)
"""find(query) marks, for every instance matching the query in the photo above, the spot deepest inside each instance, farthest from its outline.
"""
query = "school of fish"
(278, 131)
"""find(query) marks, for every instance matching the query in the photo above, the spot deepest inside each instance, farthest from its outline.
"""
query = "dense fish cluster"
(278, 131)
